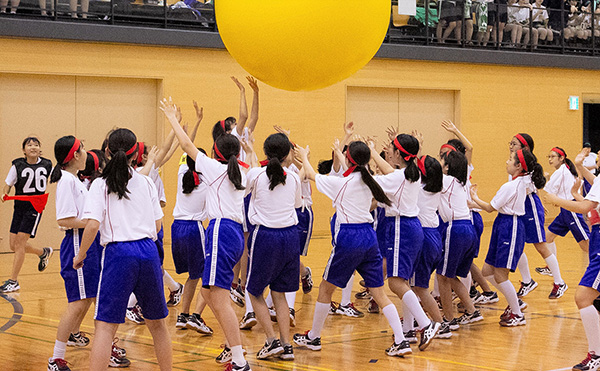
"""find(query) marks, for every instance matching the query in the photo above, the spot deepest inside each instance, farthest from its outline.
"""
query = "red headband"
(522, 140)
(522, 160)
(351, 168)
(222, 159)
(421, 164)
(140, 147)
(72, 151)
(449, 146)
(560, 152)
(96, 161)
(266, 162)
(222, 122)
(408, 154)
(132, 149)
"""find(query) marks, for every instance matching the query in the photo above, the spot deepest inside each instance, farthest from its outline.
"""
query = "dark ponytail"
(324, 167)
(533, 167)
(93, 165)
(122, 146)
(457, 165)
(458, 145)
(277, 148)
(431, 174)
(223, 127)
(569, 163)
(227, 149)
(62, 148)
(189, 182)
(360, 153)
(409, 148)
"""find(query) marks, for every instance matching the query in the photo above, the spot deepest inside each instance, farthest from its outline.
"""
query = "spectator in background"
(450, 15)
(14, 4)
(574, 21)
(540, 22)
(524, 18)
(557, 19)
(513, 26)
(590, 163)
(85, 6)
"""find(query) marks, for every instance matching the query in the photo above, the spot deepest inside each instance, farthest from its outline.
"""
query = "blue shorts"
(132, 266)
(569, 221)
(507, 242)
(458, 242)
(586, 187)
(274, 260)
(380, 231)
(428, 258)
(246, 223)
(477, 221)
(159, 244)
(187, 243)
(591, 277)
(404, 242)
(354, 249)
(83, 282)
(224, 248)
(534, 219)
(305, 228)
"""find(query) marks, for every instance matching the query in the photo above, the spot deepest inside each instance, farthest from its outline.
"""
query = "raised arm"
(584, 171)
(199, 117)
(302, 155)
(161, 157)
(243, 116)
(150, 162)
(379, 161)
(248, 147)
(449, 126)
(170, 110)
(254, 110)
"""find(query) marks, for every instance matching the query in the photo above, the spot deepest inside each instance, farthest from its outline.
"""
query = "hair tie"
(408, 154)
(421, 164)
(448, 146)
(96, 161)
(522, 160)
(351, 168)
(222, 122)
(264, 162)
(196, 178)
(140, 147)
(522, 140)
(72, 151)
(222, 159)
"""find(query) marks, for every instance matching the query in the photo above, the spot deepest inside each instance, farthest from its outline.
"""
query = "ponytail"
(561, 153)
(431, 174)
(64, 151)
(191, 180)
(234, 174)
(457, 165)
(533, 167)
(122, 145)
(376, 190)
(222, 127)
(408, 146)
(359, 155)
(227, 149)
(277, 147)
(275, 173)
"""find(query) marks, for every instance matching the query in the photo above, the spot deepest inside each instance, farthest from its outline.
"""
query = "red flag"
(37, 201)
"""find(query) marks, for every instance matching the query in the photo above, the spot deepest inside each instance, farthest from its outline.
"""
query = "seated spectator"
(540, 22)
(574, 22)
(513, 26)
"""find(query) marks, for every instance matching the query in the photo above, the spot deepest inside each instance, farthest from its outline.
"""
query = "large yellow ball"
(302, 45)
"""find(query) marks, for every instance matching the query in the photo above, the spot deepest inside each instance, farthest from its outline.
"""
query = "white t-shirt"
(540, 14)
(403, 193)
(191, 206)
(276, 208)
(71, 194)
(429, 203)
(453, 200)
(350, 195)
(158, 183)
(307, 200)
(561, 182)
(222, 200)
(590, 160)
(123, 220)
(510, 198)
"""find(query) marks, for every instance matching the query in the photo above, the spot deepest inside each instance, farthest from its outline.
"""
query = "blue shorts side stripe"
(251, 251)
(214, 253)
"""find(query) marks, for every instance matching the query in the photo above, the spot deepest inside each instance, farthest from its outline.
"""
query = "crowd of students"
(400, 216)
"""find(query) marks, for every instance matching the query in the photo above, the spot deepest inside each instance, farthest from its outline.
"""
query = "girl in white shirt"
(508, 237)
(123, 205)
(224, 235)
(355, 243)
(404, 233)
(81, 284)
(560, 184)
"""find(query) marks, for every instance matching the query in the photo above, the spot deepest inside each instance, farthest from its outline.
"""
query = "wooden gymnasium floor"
(553, 338)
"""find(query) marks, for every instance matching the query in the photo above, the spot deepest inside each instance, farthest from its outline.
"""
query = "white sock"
(169, 281)
(132, 301)
(591, 325)
(552, 263)
(408, 318)
(319, 317)
(237, 355)
(523, 266)
(269, 300)
(413, 305)
(509, 292)
(552, 247)
(436, 287)
(467, 281)
(60, 348)
(347, 292)
(290, 297)
(249, 307)
(391, 313)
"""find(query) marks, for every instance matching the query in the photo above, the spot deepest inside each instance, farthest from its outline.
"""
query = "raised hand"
(473, 191)
(281, 130)
(349, 128)
(199, 111)
(238, 83)
(392, 132)
(417, 134)
(253, 83)
(579, 158)
(449, 126)
(169, 108)
(179, 115)
(152, 154)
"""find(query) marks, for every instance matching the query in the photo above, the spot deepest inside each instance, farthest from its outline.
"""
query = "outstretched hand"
(199, 111)
(579, 158)
(169, 108)
(253, 83)
(238, 83)
(449, 126)
(392, 132)
(349, 128)
(281, 130)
